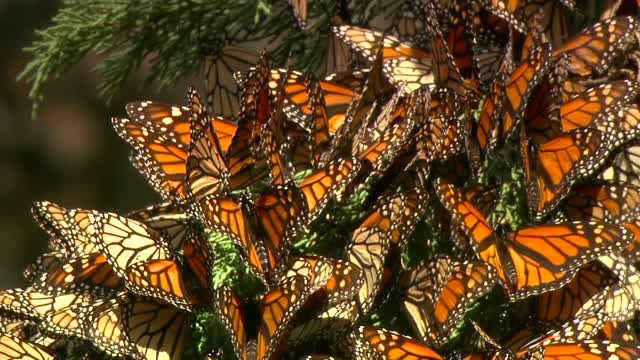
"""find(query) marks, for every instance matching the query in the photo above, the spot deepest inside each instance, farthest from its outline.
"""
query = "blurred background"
(69, 154)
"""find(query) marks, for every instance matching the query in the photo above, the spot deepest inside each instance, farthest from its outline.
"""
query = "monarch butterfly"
(256, 106)
(407, 23)
(138, 327)
(273, 143)
(367, 43)
(160, 135)
(331, 280)
(623, 165)
(535, 259)
(576, 330)
(339, 58)
(123, 241)
(276, 309)
(373, 126)
(299, 8)
(75, 264)
(607, 202)
(368, 250)
(139, 255)
(66, 238)
(185, 286)
(621, 299)
(386, 227)
(344, 282)
(173, 324)
(561, 305)
(437, 293)
(520, 85)
(486, 129)
(320, 133)
(550, 19)
(359, 113)
(487, 339)
(591, 123)
(617, 331)
(205, 166)
(294, 86)
(459, 38)
(87, 274)
(411, 73)
(61, 314)
(263, 230)
(318, 270)
(327, 182)
(105, 327)
(431, 137)
(587, 349)
(560, 162)
(596, 107)
(593, 50)
(485, 200)
(220, 87)
(328, 324)
(447, 73)
(543, 116)
(12, 347)
(519, 13)
(170, 220)
(379, 343)
(507, 10)
(402, 63)
(491, 42)
(397, 128)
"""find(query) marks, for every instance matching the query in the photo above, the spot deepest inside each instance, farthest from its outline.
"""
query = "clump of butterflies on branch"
(434, 104)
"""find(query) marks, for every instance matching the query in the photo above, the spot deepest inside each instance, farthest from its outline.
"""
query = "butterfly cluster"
(418, 127)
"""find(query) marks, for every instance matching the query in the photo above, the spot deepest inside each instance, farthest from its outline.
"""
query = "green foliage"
(172, 39)
(170, 36)
(230, 270)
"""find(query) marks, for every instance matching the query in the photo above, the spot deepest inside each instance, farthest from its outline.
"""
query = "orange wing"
(558, 163)
(90, 274)
(169, 281)
(160, 136)
(367, 42)
(594, 49)
(439, 292)
(370, 343)
(207, 172)
(12, 347)
(534, 259)
(245, 167)
(595, 107)
(521, 84)
(561, 305)
(277, 309)
(229, 309)
(507, 10)
(280, 213)
(588, 350)
(225, 130)
(610, 202)
(158, 330)
(234, 218)
(327, 182)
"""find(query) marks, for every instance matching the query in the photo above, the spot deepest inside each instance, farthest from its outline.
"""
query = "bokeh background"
(69, 153)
